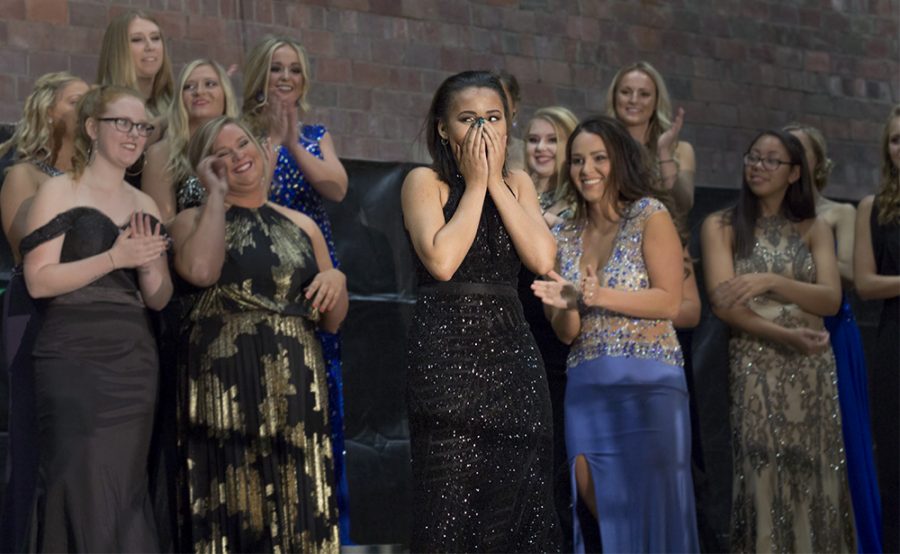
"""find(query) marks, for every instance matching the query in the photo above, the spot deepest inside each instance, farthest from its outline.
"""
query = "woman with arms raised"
(96, 253)
(253, 402)
(771, 274)
(618, 288)
(481, 432)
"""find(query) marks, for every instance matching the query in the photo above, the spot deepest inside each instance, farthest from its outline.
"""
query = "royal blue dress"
(853, 395)
(627, 405)
(291, 189)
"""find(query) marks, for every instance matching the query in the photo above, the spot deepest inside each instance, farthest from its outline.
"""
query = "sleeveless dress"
(627, 405)
(853, 394)
(885, 382)
(95, 371)
(790, 491)
(253, 403)
(480, 425)
(291, 189)
(21, 321)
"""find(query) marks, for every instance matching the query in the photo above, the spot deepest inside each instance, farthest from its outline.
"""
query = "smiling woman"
(96, 253)
(771, 274)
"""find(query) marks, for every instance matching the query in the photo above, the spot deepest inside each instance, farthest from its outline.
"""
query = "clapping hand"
(556, 292)
(666, 143)
(138, 245)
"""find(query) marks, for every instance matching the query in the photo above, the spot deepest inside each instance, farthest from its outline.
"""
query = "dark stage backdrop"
(375, 255)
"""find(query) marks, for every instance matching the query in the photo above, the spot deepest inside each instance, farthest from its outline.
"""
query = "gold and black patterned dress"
(253, 408)
(790, 487)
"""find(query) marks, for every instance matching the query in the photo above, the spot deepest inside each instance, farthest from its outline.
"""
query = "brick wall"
(735, 66)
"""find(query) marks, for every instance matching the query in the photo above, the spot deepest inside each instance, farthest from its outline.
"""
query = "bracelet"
(111, 260)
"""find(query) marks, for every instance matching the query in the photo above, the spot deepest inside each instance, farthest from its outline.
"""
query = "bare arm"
(157, 182)
(523, 221)
(677, 176)
(869, 284)
(689, 311)
(199, 233)
(662, 255)
(19, 188)
(718, 268)
(844, 216)
(46, 276)
(334, 312)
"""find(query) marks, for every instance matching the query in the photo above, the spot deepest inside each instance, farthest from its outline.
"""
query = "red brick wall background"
(735, 66)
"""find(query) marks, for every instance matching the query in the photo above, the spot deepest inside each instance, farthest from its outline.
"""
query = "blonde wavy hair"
(824, 164)
(888, 196)
(178, 133)
(257, 68)
(661, 120)
(34, 139)
(91, 106)
(563, 122)
(201, 144)
(116, 66)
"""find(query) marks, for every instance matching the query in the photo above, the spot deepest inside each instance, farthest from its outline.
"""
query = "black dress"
(481, 430)
(95, 370)
(257, 468)
(885, 385)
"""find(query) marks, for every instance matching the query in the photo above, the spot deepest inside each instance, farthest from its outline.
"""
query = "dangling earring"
(443, 141)
(260, 97)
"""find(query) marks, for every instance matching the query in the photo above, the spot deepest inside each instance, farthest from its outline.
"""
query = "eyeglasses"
(769, 164)
(124, 125)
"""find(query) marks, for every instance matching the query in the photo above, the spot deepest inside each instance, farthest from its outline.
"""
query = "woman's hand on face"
(325, 289)
(213, 175)
(807, 341)
(668, 141)
(556, 292)
(472, 158)
(495, 150)
(139, 245)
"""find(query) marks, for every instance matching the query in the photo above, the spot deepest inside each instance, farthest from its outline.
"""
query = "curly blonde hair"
(887, 199)
(33, 139)
(178, 132)
(92, 105)
(661, 120)
(256, 80)
(116, 66)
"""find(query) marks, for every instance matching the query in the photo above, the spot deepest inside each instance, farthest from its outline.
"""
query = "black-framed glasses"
(769, 164)
(124, 125)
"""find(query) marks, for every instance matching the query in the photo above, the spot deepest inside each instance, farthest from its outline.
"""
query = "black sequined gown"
(481, 429)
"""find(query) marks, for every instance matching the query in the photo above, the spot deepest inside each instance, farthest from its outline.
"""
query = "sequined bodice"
(189, 194)
(492, 258)
(780, 249)
(268, 263)
(291, 189)
(606, 333)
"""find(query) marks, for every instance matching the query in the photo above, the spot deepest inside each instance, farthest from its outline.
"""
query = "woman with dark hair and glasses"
(481, 431)
(96, 254)
(772, 276)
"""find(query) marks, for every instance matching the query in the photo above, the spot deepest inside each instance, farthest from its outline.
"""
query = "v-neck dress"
(627, 404)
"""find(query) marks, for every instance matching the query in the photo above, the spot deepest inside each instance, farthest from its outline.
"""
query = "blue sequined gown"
(291, 189)
(480, 423)
(627, 405)
(853, 395)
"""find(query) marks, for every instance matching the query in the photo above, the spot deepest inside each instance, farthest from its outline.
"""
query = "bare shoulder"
(159, 150)
(717, 221)
(423, 182)
(866, 203)
(297, 218)
(145, 202)
(21, 178)
(421, 176)
(684, 148)
(518, 179)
